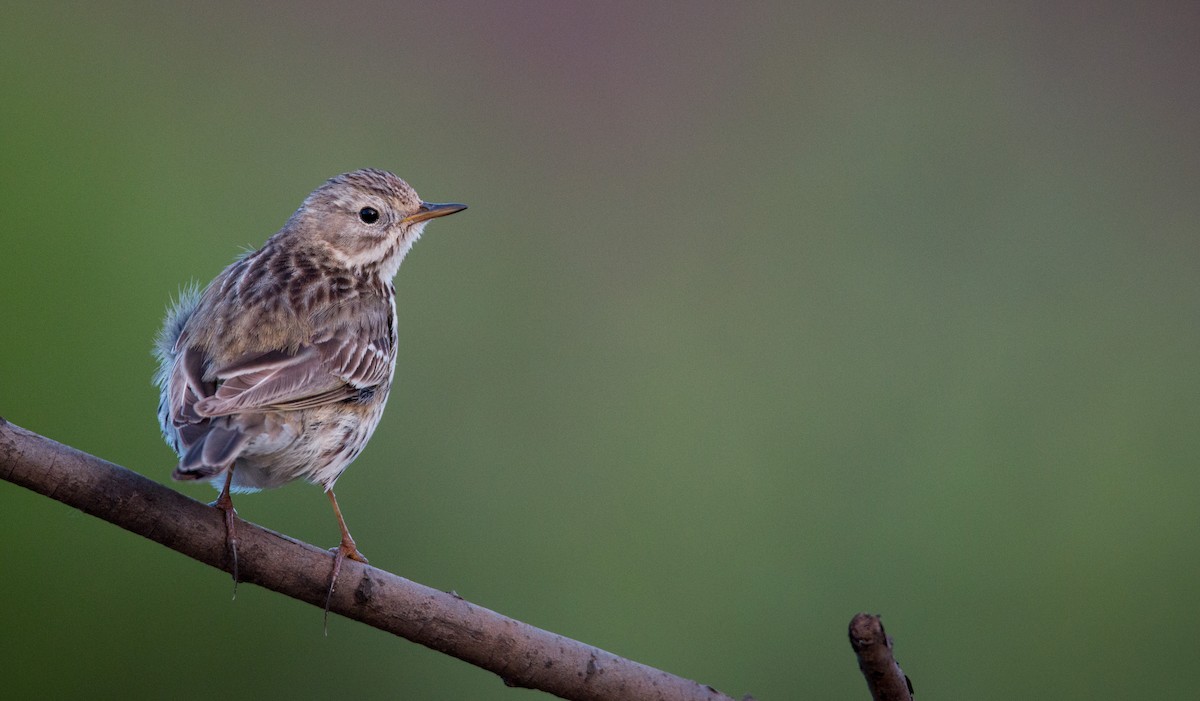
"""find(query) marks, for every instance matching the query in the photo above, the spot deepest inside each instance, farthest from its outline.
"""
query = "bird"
(279, 369)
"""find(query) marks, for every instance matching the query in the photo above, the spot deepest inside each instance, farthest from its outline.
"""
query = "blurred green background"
(762, 315)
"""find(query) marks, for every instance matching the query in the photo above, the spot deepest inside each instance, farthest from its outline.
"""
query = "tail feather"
(182, 474)
(208, 451)
(222, 445)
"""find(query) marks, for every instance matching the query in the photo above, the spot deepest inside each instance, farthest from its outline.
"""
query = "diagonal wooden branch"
(520, 654)
(873, 647)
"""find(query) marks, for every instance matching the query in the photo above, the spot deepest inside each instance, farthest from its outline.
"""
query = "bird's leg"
(346, 549)
(225, 503)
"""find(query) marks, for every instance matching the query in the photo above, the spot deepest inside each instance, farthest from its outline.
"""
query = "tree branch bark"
(522, 655)
(873, 647)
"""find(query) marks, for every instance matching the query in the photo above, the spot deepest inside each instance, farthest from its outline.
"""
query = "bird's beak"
(431, 210)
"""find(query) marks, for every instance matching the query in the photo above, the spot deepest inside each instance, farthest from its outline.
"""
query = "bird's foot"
(346, 549)
(225, 503)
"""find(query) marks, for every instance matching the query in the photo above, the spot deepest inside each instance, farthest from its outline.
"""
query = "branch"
(885, 679)
(522, 655)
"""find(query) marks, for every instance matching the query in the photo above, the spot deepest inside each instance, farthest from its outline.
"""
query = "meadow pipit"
(279, 369)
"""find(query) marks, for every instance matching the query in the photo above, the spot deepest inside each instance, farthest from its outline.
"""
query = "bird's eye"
(369, 215)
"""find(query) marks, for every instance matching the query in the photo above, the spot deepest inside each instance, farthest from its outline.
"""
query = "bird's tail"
(210, 451)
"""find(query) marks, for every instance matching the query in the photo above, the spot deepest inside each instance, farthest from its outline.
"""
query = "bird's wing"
(332, 370)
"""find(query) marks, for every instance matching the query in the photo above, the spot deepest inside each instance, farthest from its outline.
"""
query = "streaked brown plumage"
(280, 368)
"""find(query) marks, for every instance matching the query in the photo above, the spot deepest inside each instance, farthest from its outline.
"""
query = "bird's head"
(366, 220)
